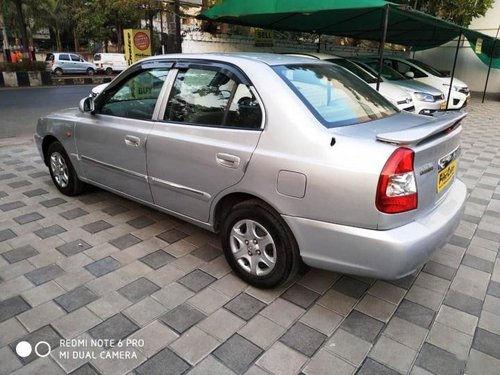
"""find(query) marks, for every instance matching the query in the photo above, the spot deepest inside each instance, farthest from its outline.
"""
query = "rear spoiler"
(441, 123)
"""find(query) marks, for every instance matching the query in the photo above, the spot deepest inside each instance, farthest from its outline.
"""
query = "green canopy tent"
(376, 20)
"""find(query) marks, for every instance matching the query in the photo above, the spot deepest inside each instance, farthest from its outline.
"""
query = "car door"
(65, 63)
(76, 65)
(111, 142)
(211, 125)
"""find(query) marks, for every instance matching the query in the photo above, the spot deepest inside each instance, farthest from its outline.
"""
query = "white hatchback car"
(420, 71)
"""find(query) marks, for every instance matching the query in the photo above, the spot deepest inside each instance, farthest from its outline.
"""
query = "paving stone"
(194, 345)
(431, 282)
(323, 363)
(351, 287)
(372, 367)
(208, 300)
(261, 331)
(230, 285)
(35, 193)
(492, 304)
(439, 361)
(44, 274)
(494, 289)
(43, 293)
(47, 334)
(115, 209)
(376, 308)
(76, 298)
(387, 292)
(210, 366)
(451, 340)
(457, 319)
(281, 360)
(237, 353)
(145, 311)
(300, 295)
(425, 297)
(221, 324)
(7, 234)
(172, 295)
(125, 241)
(53, 202)
(40, 316)
(393, 354)
(76, 323)
(471, 282)
(172, 236)
(463, 302)
(21, 253)
(207, 252)
(28, 218)
(9, 361)
(11, 307)
(97, 226)
(109, 305)
(180, 248)
(197, 280)
(7, 176)
(245, 306)
(164, 362)
(86, 369)
(157, 259)
(490, 321)
(182, 317)
(103, 266)
(73, 247)
(405, 282)
(47, 232)
(439, 270)
(141, 222)
(303, 339)
(406, 333)
(348, 346)
(322, 319)
(156, 336)
(138, 289)
(478, 263)
(362, 325)
(415, 313)
(482, 364)
(11, 330)
(18, 184)
(38, 174)
(11, 206)
(73, 213)
(117, 328)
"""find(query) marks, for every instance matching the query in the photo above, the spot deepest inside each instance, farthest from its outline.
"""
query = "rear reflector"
(397, 188)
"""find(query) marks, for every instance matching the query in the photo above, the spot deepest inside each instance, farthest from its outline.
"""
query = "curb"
(32, 79)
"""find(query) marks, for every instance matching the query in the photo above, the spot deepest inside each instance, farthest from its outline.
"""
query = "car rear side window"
(209, 96)
(75, 58)
(336, 97)
(63, 57)
(136, 97)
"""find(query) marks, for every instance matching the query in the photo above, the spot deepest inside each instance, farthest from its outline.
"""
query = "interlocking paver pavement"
(99, 266)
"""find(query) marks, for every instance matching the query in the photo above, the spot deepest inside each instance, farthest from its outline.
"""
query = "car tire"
(259, 246)
(58, 72)
(90, 71)
(108, 71)
(62, 172)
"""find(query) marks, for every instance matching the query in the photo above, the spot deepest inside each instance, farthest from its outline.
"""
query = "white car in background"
(397, 96)
(427, 99)
(419, 71)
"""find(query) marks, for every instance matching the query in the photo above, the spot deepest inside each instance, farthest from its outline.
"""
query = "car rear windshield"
(355, 69)
(428, 68)
(97, 57)
(50, 57)
(336, 97)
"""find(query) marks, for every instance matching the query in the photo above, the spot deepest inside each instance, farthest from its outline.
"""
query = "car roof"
(271, 59)
(315, 55)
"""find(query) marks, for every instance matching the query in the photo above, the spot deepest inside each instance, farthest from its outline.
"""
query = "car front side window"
(209, 96)
(136, 97)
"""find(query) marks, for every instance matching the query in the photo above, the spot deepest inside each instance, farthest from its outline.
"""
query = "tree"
(461, 12)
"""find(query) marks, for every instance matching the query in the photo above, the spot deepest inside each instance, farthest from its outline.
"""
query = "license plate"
(447, 170)
(443, 105)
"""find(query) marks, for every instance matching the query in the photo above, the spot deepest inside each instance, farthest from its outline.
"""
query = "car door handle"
(228, 160)
(132, 141)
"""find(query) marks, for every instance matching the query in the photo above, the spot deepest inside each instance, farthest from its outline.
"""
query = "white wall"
(469, 69)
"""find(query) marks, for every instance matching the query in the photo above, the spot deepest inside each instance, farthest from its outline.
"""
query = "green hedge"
(25, 66)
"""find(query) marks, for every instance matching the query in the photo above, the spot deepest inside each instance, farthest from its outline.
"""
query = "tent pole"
(453, 69)
(489, 67)
(382, 44)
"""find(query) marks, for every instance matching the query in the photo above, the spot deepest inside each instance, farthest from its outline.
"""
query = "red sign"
(141, 41)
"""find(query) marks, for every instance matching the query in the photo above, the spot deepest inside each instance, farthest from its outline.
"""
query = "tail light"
(397, 187)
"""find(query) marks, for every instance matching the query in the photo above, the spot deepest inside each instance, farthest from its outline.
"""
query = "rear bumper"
(390, 254)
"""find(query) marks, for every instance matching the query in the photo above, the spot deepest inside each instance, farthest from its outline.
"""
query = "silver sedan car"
(288, 158)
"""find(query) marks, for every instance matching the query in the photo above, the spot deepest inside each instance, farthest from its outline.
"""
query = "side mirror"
(87, 105)
(410, 74)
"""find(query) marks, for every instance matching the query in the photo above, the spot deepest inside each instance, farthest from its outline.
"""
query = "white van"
(110, 62)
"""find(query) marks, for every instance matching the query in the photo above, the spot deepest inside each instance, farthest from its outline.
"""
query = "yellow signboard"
(264, 38)
(479, 45)
(137, 45)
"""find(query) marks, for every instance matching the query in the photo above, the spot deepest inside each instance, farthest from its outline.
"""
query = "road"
(20, 108)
